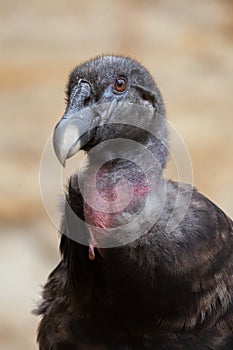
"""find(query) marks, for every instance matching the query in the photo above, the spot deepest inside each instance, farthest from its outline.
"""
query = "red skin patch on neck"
(121, 191)
(104, 219)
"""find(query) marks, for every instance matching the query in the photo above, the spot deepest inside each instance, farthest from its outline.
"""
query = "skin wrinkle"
(107, 179)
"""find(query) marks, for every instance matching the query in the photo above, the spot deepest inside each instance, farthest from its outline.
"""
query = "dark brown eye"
(119, 85)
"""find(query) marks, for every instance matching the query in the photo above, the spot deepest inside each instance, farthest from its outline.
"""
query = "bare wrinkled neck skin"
(123, 188)
(118, 192)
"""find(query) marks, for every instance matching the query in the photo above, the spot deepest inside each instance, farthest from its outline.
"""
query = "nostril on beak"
(86, 101)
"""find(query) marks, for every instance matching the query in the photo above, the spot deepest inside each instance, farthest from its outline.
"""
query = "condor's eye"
(120, 85)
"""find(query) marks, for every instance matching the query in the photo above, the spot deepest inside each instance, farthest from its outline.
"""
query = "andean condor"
(126, 279)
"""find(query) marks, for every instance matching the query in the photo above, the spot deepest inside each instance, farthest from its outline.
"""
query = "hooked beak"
(73, 130)
(76, 127)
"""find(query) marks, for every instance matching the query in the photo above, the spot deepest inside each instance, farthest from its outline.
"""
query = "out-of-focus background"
(188, 48)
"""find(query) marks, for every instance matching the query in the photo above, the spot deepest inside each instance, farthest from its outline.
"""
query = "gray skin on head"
(163, 291)
(91, 86)
(102, 71)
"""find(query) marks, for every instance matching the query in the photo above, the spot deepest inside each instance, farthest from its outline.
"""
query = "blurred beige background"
(188, 48)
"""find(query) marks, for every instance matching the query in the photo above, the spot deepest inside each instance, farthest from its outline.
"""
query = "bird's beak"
(72, 130)
(69, 134)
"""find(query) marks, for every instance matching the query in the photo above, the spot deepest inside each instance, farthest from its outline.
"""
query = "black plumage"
(163, 290)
